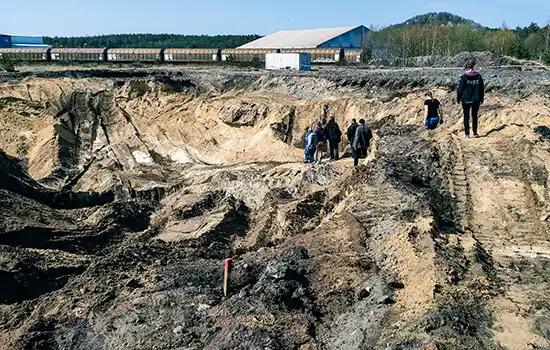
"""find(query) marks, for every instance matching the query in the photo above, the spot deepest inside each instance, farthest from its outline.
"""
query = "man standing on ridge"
(334, 136)
(471, 92)
(361, 142)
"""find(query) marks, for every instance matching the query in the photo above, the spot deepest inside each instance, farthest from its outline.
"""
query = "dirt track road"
(504, 195)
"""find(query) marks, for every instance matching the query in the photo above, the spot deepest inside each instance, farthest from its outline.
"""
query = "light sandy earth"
(461, 224)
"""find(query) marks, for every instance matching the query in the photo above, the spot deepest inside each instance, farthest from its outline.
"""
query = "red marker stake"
(226, 276)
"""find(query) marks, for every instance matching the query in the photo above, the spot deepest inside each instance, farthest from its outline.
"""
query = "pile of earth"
(484, 60)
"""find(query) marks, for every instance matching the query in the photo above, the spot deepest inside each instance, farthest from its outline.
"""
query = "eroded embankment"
(435, 243)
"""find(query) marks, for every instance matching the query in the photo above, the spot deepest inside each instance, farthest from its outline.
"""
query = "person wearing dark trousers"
(310, 145)
(471, 110)
(471, 93)
(432, 112)
(351, 130)
(361, 142)
(320, 131)
(357, 153)
(334, 136)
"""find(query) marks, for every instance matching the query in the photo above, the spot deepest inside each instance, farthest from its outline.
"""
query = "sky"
(93, 17)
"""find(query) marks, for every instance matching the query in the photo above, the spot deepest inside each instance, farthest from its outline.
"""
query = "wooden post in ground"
(226, 276)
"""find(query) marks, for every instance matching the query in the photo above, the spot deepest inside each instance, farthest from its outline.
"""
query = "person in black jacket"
(351, 130)
(361, 142)
(321, 132)
(432, 112)
(471, 93)
(334, 136)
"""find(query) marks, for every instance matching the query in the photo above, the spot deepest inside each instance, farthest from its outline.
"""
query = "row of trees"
(153, 41)
(436, 39)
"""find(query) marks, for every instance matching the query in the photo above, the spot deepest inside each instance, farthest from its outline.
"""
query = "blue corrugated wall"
(354, 39)
(5, 41)
(26, 40)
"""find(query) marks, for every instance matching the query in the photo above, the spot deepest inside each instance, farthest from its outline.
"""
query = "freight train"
(330, 55)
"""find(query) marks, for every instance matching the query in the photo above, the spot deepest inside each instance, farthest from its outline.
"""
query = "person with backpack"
(334, 136)
(471, 93)
(361, 142)
(310, 145)
(320, 131)
(351, 130)
(432, 112)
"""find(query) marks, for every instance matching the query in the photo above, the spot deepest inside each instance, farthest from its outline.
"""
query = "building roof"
(134, 51)
(31, 46)
(24, 49)
(77, 50)
(28, 36)
(309, 38)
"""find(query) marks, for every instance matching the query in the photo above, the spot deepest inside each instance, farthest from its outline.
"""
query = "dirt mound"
(484, 60)
(123, 194)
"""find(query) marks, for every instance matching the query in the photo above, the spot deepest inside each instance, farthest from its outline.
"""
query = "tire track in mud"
(460, 189)
(516, 229)
(502, 230)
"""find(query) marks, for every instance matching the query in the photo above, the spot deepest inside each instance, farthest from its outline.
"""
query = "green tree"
(534, 44)
(501, 40)
(517, 49)
(6, 65)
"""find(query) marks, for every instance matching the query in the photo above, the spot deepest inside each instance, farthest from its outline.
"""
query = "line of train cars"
(329, 55)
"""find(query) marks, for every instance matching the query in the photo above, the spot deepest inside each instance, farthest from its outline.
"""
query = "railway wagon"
(192, 55)
(352, 56)
(26, 54)
(246, 55)
(79, 55)
(135, 55)
(334, 55)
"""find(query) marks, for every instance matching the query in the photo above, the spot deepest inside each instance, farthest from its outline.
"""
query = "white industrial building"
(353, 37)
(293, 61)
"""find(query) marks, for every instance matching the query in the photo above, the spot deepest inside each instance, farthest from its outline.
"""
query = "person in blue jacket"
(310, 145)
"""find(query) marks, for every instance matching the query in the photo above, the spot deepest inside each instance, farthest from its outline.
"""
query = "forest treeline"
(153, 41)
(438, 39)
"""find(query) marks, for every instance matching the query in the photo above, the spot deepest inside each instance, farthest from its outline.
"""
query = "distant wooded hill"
(437, 17)
(445, 34)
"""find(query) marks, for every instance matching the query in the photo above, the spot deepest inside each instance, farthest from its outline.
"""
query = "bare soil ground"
(122, 192)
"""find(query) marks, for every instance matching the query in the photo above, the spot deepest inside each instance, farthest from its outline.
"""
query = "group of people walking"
(317, 136)
(470, 93)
